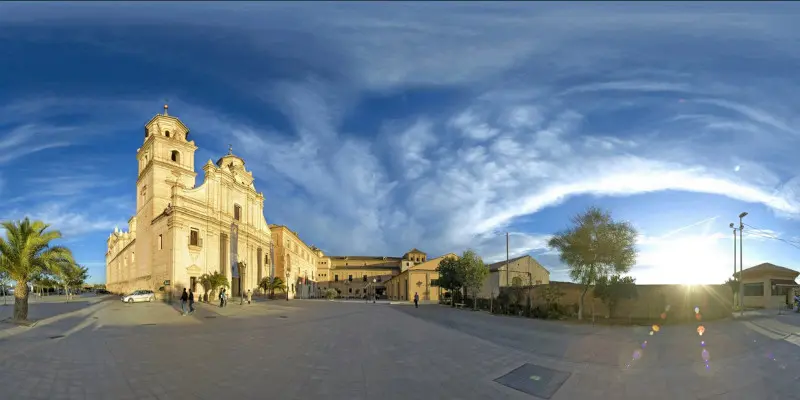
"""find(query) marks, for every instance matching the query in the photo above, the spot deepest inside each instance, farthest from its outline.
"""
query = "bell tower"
(166, 159)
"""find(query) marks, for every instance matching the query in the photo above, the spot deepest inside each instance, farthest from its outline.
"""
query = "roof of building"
(500, 264)
(365, 258)
(415, 250)
(764, 267)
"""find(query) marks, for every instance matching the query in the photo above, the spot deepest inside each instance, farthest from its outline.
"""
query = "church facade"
(181, 231)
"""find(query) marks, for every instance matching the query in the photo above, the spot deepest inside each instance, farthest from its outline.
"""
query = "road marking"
(767, 333)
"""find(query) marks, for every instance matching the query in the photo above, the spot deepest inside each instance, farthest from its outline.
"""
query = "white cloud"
(531, 87)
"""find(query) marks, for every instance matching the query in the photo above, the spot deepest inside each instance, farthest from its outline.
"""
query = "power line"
(763, 233)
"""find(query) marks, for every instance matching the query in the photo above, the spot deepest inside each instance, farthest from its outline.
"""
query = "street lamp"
(741, 265)
(734, 258)
(374, 294)
(286, 274)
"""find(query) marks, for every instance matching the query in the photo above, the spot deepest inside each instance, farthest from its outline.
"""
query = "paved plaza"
(340, 350)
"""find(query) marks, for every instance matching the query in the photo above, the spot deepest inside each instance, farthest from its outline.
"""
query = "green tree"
(69, 276)
(4, 279)
(213, 282)
(733, 283)
(474, 271)
(610, 290)
(595, 246)
(450, 276)
(27, 251)
(270, 285)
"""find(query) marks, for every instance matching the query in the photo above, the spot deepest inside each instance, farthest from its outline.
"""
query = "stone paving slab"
(357, 351)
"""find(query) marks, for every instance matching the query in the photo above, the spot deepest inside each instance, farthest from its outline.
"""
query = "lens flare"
(668, 307)
(698, 317)
(700, 330)
(663, 315)
(697, 310)
(637, 354)
(706, 356)
(656, 328)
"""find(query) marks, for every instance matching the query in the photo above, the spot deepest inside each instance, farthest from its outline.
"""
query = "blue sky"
(375, 128)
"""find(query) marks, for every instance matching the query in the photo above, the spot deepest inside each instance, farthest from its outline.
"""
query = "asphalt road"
(310, 349)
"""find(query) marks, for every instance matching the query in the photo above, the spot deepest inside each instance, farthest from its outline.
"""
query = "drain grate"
(56, 337)
(534, 380)
(210, 316)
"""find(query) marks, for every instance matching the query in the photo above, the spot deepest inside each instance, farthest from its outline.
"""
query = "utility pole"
(507, 271)
(735, 296)
(741, 265)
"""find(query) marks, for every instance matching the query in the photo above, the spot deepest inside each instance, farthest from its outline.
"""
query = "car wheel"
(150, 300)
(130, 300)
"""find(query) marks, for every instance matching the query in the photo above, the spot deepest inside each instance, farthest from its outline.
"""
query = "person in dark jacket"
(184, 299)
(416, 300)
(191, 301)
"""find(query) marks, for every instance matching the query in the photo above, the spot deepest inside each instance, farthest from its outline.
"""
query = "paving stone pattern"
(333, 350)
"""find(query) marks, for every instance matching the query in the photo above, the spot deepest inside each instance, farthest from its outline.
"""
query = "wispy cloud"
(517, 109)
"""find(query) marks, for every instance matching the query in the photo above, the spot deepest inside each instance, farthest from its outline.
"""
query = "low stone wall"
(677, 301)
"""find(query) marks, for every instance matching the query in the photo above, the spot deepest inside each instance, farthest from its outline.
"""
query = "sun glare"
(689, 261)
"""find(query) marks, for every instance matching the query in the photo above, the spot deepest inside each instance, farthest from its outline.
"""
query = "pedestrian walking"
(184, 299)
(249, 296)
(222, 298)
(416, 300)
(191, 301)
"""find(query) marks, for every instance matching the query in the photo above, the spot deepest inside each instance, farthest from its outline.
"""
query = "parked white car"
(139, 295)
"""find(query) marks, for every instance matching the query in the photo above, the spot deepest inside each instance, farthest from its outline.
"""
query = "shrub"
(330, 294)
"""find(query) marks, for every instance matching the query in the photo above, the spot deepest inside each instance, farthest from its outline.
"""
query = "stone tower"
(166, 161)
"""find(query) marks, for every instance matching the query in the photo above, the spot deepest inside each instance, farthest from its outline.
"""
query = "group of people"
(188, 297)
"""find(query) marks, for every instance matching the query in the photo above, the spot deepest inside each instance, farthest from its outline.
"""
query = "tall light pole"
(507, 271)
(735, 296)
(741, 265)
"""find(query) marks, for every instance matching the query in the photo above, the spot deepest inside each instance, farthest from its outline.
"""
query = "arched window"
(166, 133)
(176, 156)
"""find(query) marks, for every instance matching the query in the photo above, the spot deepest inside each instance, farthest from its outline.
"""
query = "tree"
(474, 271)
(69, 276)
(27, 251)
(450, 276)
(3, 282)
(733, 283)
(610, 290)
(270, 285)
(214, 281)
(595, 247)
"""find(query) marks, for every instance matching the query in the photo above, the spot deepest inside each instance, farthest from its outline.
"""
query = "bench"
(460, 305)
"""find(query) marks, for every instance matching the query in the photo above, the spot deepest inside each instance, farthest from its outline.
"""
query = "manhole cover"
(56, 337)
(283, 316)
(534, 380)
(210, 316)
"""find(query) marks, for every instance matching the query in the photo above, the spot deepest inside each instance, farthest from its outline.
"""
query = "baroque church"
(181, 231)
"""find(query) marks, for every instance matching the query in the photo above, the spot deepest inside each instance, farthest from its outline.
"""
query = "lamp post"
(374, 293)
(241, 267)
(734, 259)
(741, 265)
(286, 274)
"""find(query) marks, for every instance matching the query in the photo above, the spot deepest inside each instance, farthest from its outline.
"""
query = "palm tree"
(27, 252)
(270, 285)
(212, 282)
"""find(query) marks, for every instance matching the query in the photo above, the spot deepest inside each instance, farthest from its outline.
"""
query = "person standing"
(416, 300)
(191, 301)
(222, 298)
(184, 298)
(249, 296)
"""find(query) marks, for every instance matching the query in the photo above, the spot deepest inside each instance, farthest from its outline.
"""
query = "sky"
(373, 128)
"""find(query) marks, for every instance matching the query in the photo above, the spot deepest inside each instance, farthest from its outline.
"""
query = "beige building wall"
(181, 231)
(768, 286)
(295, 262)
(524, 270)
(421, 279)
